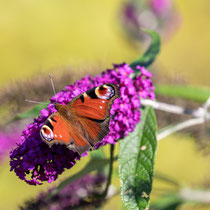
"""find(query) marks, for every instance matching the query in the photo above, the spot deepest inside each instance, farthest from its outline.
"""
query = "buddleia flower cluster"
(81, 194)
(35, 162)
(158, 15)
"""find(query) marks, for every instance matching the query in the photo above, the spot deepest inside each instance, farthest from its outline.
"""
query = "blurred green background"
(38, 36)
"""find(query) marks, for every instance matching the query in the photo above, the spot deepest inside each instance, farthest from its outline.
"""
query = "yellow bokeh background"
(37, 35)
(48, 35)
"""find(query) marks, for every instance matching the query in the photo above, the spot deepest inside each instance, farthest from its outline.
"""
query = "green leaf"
(200, 94)
(136, 162)
(93, 164)
(33, 112)
(149, 56)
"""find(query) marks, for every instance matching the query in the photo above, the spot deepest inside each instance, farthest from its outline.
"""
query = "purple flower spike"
(35, 162)
(81, 194)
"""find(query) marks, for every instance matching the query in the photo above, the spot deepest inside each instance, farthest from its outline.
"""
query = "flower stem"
(178, 127)
(110, 170)
(171, 108)
(198, 116)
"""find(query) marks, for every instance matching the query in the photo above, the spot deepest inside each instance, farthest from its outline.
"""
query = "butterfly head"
(58, 106)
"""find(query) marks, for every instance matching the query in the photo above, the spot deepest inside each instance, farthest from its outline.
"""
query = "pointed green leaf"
(136, 162)
(149, 56)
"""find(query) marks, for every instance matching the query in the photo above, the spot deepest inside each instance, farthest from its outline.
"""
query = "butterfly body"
(83, 122)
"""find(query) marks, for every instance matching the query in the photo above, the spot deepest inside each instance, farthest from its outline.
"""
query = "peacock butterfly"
(83, 122)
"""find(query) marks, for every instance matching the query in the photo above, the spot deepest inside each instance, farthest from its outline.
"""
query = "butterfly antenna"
(38, 102)
(35, 102)
(53, 87)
